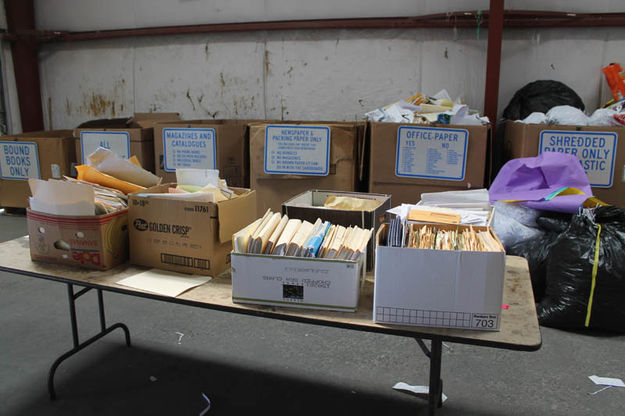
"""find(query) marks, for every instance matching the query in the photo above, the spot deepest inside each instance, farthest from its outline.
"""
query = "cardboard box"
(309, 206)
(203, 144)
(439, 288)
(596, 147)
(41, 154)
(186, 236)
(302, 156)
(124, 136)
(97, 242)
(297, 282)
(406, 160)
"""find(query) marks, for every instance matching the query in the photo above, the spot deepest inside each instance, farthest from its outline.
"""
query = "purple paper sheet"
(532, 179)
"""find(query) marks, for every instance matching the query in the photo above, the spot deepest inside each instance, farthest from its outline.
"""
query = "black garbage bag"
(570, 274)
(536, 252)
(557, 222)
(540, 96)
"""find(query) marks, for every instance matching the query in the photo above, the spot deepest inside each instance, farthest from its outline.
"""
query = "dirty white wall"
(313, 74)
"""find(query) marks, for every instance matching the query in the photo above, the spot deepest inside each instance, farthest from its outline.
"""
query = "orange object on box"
(90, 174)
(615, 77)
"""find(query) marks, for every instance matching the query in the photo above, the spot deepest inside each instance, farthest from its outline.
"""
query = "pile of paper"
(278, 235)
(199, 185)
(107, 169)
(74, 198)
(423, 109)
(439, 237)
(351, 203)
(472, 206)
(101, 187)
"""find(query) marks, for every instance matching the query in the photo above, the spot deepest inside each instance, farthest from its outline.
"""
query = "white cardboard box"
(296, 281)
(448, 289)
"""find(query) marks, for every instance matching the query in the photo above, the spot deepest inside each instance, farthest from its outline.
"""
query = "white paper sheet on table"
(164, 282)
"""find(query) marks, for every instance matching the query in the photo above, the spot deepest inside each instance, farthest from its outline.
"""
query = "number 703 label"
(485, 321)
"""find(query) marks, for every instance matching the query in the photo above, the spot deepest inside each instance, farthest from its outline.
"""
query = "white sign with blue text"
(20, 160)
(116, 141)
(189, 148)
(297, 150)
(431, 153)
(596, 151)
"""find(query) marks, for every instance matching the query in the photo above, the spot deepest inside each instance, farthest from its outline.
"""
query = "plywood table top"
(519, 328)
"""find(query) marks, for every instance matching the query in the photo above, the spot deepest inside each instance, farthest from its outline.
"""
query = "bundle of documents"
(279, 235)
(440, 237)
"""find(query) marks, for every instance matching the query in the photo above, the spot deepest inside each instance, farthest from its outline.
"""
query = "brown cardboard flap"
(148, 120)
(111, 123)
(235, 214)
(58, 134)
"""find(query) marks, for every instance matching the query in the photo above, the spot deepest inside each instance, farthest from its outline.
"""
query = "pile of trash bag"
(536, 250)
(540, 97)
(578, 269)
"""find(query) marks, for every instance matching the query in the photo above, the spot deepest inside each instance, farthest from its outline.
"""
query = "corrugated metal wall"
(329, 74)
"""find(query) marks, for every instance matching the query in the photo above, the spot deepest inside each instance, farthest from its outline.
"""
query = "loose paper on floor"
(164, 282)
(422, 391)
(607, 381)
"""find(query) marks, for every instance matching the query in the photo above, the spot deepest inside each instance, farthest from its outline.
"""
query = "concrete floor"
(247, 364)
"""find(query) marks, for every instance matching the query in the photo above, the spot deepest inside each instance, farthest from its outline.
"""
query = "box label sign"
(20, 160)
(432, 153)
(298, 150)
(115, 141)
(596, 151)
(189, 148)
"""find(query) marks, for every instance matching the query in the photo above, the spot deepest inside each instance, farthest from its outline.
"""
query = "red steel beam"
(493, 59)
(20, 16)
(461, 19)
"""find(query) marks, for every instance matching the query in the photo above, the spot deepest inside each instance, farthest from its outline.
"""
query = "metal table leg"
(435, 396)
(77, 344)
(435, 390)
